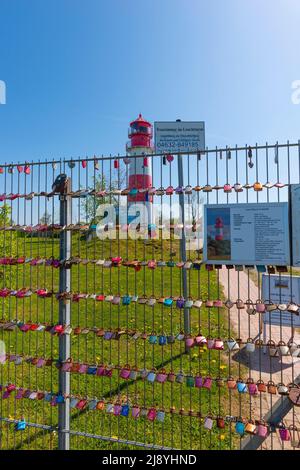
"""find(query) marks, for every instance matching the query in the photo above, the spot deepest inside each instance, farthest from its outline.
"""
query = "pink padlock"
(189, 342)
(125, 372)
(2, 358)
(219, 345)
(83, 368)
(252, 388)
(100, 371)
(41, 362)
(19, 394)
(284, 434)
(135, 412)
(210, 343)
(227, 188)
(260, 306)
(262, 429)
(200, 340)
(53, 402)
(67, 366)
(161, 377)
(151, 414)
(117, 409)
(207, 383)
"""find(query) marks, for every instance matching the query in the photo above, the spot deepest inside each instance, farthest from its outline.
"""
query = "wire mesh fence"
(115, 334)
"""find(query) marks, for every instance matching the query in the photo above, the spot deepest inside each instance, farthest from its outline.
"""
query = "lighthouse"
(219, 229)
(140, 172)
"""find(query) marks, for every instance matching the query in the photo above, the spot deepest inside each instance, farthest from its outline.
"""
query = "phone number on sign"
(179, 144)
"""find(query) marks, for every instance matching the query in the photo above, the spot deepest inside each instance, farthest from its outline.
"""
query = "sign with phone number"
(179, 136)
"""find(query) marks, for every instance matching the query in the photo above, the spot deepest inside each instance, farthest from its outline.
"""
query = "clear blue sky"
(78, 71)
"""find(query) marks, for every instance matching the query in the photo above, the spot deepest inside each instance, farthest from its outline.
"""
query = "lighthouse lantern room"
(140, 172)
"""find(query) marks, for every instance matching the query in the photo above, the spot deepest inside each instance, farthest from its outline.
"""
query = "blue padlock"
(180, 303)
(242, 387)
(92, 404)
(170, 339)
(92, 370)
(152, 339)
(160, 416)
(20, 425)
(151, 376)
(168, 302)
(108, 335)
(48, 397)
(240, 428)
(125, 410)
(126, 300)
(162, 340)
(133, 192)
(60, 398)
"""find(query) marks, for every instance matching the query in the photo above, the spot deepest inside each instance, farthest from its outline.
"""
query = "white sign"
(281, 290)
(247, 234)
(295, 214)
(172, 137)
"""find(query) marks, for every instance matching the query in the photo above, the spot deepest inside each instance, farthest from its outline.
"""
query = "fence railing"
(116, 333)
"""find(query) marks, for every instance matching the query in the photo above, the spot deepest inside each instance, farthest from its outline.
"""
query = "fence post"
(64, 319)
(186, 311)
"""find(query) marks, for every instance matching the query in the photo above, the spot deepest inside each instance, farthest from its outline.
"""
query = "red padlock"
(27, 169)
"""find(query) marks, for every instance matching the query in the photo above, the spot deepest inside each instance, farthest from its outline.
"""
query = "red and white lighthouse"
(219, 226)
(140, 172)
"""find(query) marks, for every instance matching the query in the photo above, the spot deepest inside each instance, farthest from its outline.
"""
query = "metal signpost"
(64, 319)
(187, 321)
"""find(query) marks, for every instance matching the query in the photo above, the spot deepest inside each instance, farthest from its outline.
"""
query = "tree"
(90, 204)
(45, 219)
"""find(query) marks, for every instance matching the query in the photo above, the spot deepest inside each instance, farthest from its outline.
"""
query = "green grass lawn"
(176, 431)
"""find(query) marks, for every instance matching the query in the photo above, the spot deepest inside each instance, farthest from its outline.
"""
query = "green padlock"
(190, 382)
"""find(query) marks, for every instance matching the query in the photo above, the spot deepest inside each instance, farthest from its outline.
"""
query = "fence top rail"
(110, 157)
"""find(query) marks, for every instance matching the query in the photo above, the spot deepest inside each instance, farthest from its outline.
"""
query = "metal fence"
(126, 342)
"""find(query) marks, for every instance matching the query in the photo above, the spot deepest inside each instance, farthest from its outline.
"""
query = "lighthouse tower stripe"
(137, 166)
(140, 175)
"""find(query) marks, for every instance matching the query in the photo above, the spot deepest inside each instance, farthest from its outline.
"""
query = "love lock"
(60, 184)
(294, 395)
(20, 425)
